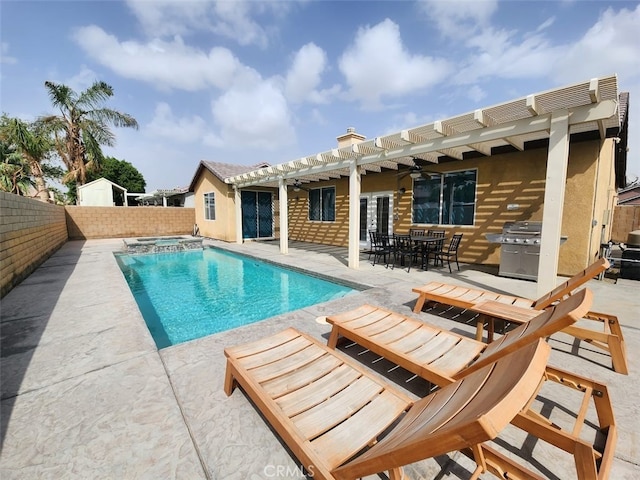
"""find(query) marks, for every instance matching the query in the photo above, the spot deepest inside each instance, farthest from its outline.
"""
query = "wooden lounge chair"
(607, 337)
(328, 409)
(443, 357)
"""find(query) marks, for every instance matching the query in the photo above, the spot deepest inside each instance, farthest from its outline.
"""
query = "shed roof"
(101, 180)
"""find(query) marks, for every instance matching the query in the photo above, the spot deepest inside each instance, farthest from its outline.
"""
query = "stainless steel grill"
(520, 250)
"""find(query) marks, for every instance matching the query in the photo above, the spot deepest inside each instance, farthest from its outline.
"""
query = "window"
(209, 206)
(448, 199)
(322, 204)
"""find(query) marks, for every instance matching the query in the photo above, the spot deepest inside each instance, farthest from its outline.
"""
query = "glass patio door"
(257, 214)
(375, 215)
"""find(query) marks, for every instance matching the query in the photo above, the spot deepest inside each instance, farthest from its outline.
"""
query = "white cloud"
(82, 80)
(475, 93)
(305, 74)
(252, 115)
(165, 64)
(610, 46)
(459, 18)
(168, 17)
(378, 65)
(165, 124)
(496, 54)
(4, 54)
(231, 19)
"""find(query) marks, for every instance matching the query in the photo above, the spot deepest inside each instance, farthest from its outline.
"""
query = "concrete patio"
(86, 394)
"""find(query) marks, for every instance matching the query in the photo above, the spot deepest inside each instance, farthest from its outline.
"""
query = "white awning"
(592, 107)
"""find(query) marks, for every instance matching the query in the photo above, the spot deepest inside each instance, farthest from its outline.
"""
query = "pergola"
(587, 109)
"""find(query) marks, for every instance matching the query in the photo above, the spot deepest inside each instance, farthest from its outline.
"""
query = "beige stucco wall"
(224, 225)
(30, 231)
(125, 222)
(516, 178)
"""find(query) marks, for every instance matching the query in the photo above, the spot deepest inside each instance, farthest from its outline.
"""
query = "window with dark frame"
(322, 204)
(445, 199)
(210, 206)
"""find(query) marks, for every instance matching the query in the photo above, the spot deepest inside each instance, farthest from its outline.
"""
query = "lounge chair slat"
(401, 330)
(355, 313)
(267, 356)
(287, 364)
(463, 353)
(301, 376)
(422, 335)
(336, 408)
(255, 347)
(371, 318)
(437, 347)
(385, 323)
(354, 434)
(317, 391)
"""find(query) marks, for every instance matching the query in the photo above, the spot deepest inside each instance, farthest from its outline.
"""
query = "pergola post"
(354, 215)
(284, 217)
(556, 177)
(238, 204)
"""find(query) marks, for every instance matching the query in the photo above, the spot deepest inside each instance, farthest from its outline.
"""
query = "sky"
(250, 81)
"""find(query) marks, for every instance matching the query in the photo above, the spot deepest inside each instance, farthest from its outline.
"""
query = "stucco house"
(548, 157)
(215, 204)
(100, 193)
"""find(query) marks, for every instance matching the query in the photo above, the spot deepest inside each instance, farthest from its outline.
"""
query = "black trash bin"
(630, 264)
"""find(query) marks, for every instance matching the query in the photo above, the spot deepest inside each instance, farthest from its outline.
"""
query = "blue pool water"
(190, 294)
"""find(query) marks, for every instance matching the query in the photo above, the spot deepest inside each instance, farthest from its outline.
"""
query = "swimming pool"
(187, 295)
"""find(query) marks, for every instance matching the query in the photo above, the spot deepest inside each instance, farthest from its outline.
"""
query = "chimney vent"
(350, 138)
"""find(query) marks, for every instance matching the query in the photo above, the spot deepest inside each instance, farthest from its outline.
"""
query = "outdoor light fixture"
(415, 174)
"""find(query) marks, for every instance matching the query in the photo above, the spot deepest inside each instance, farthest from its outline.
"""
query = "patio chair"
(328, 409)
(443, 357)
(429, 248)
(381, 246)
(448, 252)
(609, 338)
(403, 249)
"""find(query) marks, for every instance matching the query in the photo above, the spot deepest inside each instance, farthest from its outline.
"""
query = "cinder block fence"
(30, 230)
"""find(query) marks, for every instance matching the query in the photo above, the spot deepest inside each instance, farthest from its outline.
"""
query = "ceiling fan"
(297, 186)
(416, 171)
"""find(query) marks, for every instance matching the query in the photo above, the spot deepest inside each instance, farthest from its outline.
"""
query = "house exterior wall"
(224, 225)
(516, 178)
(96, 194)
(124, 222)
(30, 231)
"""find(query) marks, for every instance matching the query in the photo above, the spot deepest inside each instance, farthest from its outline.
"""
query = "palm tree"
(83, 126)
(15, 176)
(31, 144)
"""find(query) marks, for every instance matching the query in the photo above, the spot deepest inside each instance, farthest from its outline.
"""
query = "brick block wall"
(626, 218)
(30, 231)
(125, 222)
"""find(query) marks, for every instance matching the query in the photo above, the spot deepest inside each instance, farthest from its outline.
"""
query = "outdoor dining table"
(423, 241)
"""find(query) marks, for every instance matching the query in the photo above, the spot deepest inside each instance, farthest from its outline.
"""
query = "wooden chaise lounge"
(328, 409)
(443, 357)
(608, 337)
